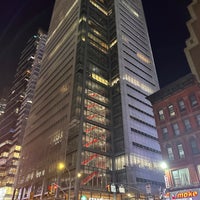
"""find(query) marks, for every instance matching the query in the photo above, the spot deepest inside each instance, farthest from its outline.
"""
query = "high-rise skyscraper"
(16, 112)
(90, 115)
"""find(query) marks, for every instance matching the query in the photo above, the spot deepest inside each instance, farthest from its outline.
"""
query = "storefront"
(187, 194)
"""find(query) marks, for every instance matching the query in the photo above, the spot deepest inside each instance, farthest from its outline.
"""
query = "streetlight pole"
(61, 166)
(70, 183)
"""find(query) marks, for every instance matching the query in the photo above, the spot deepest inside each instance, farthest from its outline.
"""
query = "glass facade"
(91, 102)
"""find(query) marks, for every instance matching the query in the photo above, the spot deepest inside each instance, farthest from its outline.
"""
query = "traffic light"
(108, 188)
(50, 189)
(55, 186)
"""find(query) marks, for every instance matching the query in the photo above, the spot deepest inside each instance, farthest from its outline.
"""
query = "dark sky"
(166, 21)
(19, 19)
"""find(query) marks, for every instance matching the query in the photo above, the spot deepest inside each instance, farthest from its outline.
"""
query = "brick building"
(177, 113)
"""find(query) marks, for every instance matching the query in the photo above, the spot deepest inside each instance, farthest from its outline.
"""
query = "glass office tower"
(14, 118)
(90, 111)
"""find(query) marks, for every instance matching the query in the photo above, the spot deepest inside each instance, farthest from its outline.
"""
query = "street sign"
(121, 189)
(148, 188)
(113, 188)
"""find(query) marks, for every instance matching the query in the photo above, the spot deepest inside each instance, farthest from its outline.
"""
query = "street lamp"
(163, 165)
(61, 167)
(165, 169)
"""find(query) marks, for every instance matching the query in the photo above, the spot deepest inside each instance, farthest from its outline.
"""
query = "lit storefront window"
(181, 177)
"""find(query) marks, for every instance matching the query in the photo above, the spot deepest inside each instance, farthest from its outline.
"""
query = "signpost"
(121, 189)
(113, 188)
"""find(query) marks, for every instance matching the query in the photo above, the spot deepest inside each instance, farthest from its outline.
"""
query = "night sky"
(20, 19)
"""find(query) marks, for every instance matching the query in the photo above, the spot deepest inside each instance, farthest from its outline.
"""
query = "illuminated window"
(83, 38)
(161, 114)
(113, 43)
(28, 71)
(181, 177)
(97, 96)
(98, 41)
(16, 155)
(120, 162)
(115, 81)
(137, 83)
(17, 110)
(99, 79)
(143, 58)
(96, 32)
(143, 161)
(82, 19)
(98, 47)
(4, 154)
(171, 110)
(18, 148)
